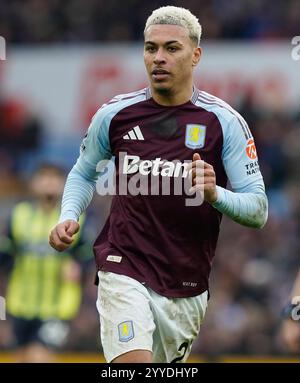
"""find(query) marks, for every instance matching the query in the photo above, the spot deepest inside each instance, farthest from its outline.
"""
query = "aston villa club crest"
(195, 136)
(125, 330)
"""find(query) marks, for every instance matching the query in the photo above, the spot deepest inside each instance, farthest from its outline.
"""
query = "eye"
(172, 49)
(150, 49)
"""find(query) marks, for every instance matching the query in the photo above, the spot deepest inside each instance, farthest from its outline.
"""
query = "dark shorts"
(51, 333)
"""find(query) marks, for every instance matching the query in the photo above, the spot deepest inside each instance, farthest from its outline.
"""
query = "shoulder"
(228, 117)
(139, 94)
(21, 214)
(119, 102)
(218, 106)
(22, 207)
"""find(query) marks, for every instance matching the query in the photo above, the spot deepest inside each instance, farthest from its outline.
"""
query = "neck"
(171, 97)
(47, 205)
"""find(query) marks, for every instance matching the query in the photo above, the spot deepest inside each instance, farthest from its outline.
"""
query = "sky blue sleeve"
(95, 147)
(239, 155)
(247, 204)
(80, 184)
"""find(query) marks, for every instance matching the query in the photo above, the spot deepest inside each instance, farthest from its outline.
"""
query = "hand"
(203, 178)
(61, 236)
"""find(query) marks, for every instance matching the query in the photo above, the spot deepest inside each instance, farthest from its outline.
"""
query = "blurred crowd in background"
(253, 270)
(52, 21)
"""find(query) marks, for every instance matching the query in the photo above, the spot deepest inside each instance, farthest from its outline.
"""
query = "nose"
(159, 57)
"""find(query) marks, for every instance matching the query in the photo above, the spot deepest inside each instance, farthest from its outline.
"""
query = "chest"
(170, 134)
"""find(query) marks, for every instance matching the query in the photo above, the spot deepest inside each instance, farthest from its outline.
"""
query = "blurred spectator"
(44, 289)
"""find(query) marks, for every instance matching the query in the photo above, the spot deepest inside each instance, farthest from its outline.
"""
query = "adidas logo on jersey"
(134, 134)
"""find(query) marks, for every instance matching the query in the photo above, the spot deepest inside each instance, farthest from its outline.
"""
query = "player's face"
(169, 56)
(48, 186)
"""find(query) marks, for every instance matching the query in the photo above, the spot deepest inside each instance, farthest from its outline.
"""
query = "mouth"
(159, 74)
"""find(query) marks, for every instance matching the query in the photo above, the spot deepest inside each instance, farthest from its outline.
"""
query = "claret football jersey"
(156, 232)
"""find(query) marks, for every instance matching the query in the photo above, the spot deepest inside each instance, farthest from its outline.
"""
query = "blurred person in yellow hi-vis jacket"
(44, 288)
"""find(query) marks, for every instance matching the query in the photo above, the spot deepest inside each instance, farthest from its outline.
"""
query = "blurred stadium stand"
(73, 21)
(63, 60)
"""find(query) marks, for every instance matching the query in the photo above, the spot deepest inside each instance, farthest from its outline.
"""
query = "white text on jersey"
(133, 164)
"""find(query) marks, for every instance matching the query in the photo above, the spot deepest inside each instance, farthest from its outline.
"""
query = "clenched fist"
(203, 178)
(61, 237)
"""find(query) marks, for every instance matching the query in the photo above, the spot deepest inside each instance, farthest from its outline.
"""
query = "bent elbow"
(257, 218)
(261, 217)
(260, 222)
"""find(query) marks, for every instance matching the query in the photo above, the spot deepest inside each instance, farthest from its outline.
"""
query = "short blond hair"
(171, 15)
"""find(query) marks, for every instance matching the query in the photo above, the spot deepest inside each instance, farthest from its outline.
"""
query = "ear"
(196, 56)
